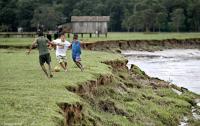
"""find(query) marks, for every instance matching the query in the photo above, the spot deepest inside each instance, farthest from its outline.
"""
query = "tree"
(25, 13)
(161, 19)
(143, 15)
(178, 19)
(194, 15)
(47, 16)
(148, 19)
(127, 21)
(116, 13)
(76, 12)
(4, 28)
(8, 15)
(100, 9)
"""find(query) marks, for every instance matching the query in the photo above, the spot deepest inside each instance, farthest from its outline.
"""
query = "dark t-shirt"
(55, 35)
(49, 37)
(42, 45)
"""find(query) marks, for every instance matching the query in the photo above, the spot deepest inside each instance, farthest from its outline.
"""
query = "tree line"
(125, 15)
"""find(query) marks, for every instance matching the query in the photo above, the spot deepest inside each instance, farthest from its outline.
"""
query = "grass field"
(29, 98)
(111, 36)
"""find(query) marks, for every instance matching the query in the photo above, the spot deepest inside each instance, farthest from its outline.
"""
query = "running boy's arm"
(68, 44)
(50, 45)
(79, 47)
(54, 42)
(51, 42)
(33, 45)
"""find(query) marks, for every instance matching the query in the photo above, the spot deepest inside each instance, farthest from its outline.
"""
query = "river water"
(178, 66)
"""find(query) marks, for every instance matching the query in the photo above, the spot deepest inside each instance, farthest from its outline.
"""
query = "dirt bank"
(149, 45)
(108, 95)
(117, 45)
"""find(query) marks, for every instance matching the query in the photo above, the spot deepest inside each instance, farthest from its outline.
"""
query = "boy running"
(76, 51)
(44, 56)
(61, 47)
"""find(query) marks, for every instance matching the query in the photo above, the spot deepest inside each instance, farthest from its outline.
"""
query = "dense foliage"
(126, 15)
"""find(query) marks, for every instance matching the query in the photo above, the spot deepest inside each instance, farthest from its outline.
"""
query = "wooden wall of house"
(89, 27)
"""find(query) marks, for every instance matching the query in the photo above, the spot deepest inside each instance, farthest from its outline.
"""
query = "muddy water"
(178, 66)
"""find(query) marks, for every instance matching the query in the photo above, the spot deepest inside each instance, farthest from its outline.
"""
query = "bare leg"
(78, 63)
(51, 75)
(44, 69)
(65, 66)
(62, 65)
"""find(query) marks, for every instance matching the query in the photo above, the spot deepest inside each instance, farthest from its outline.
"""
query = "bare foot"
(82, 69)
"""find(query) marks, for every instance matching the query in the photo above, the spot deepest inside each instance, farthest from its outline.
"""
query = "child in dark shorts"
(44, 55)
(76, 51)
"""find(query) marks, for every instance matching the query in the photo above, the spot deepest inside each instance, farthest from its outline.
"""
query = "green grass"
(111, 36)
(28, 97)
(16, 41)
(141, 36)
(144, 106)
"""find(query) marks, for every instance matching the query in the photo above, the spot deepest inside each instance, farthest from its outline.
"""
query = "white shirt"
(61, 49)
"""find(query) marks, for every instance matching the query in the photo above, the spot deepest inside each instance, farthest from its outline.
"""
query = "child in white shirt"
(61, 48)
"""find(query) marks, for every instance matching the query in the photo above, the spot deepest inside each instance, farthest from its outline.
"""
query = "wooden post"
(90, 35)
(106, 35)
(82, 35)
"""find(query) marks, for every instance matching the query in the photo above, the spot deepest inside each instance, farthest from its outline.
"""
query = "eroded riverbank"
(142, 45)
(178, 66)
(125, 97)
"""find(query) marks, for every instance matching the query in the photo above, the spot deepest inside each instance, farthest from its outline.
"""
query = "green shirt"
(42, 43)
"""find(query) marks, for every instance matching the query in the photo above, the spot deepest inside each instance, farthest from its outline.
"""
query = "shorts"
(76, 58)
(45, 58)
(61, 59)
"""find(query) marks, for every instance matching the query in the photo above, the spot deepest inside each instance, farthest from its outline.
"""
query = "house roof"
(90, 18)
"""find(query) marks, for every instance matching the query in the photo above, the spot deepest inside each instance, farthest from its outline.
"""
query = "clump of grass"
(137, 71)
(143, 106)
